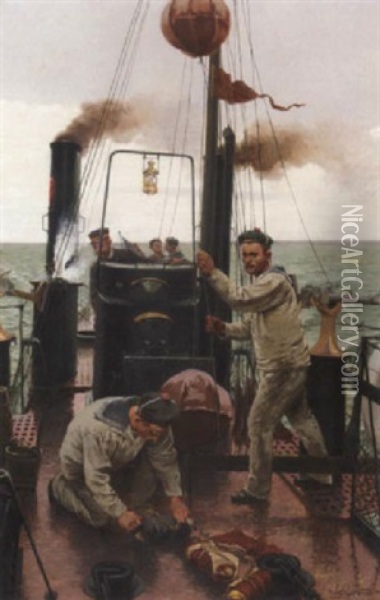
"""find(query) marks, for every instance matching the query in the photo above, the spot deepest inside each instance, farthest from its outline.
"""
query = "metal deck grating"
(335, 502)
(366, 502)
(25, 429)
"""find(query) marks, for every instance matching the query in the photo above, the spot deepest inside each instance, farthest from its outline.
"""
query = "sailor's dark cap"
(157, 410)
(172, 240)
(95, 233)
(256, 235)
(118, 578)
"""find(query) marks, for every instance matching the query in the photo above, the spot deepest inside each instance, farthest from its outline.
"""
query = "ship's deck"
(316, 529)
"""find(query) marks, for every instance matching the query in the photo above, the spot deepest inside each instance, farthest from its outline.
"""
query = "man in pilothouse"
(102, 245)
(173, 253)
(157, 252)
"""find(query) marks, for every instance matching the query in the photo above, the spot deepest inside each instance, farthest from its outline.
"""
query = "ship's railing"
(365, 506)
(12, 360)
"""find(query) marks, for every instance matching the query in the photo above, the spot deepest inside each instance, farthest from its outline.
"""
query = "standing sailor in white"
(271, 320)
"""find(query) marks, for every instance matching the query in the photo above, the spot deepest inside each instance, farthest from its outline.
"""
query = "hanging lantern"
(196, 27)
(150, 174)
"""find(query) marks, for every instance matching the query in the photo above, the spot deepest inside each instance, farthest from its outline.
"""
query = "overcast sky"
(57, 54)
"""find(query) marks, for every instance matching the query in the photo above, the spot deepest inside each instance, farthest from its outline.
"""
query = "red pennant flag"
(234, 92)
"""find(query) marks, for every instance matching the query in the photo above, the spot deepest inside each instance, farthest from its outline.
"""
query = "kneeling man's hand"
(179, 509)
(129, 521)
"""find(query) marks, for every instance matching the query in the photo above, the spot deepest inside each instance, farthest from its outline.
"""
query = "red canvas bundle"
(227, 556)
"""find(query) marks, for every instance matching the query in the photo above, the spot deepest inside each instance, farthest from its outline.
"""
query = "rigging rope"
(116, 91)
(174, 149)
(247, 20)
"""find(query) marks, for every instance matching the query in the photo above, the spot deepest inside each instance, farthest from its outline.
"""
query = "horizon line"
(287, 241)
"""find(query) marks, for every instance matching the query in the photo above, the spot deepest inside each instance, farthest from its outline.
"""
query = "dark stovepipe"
(64, 195)
(55, 320)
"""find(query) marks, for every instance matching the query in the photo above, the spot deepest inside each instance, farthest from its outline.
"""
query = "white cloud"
(26, 133)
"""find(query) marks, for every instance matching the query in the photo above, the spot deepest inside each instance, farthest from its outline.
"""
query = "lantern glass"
(150, 174)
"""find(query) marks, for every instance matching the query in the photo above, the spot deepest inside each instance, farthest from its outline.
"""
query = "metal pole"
(51, 594)
(207, 240)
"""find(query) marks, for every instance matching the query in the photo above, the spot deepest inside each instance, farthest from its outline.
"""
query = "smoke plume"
(108, 118)
(347, 154)
(266, 151)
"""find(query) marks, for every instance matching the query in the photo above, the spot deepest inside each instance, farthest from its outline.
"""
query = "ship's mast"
(217, 180)
(207, 240)
(216, 215)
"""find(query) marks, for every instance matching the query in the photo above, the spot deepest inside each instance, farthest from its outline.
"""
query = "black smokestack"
(64, 195)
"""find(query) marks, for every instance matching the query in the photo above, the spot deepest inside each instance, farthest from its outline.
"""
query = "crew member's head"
(171, 244)
(153, 415)
(156, 246)
(255, 251)
(101, 242)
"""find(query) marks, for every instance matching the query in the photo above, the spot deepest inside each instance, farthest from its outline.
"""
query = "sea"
(318, 265)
